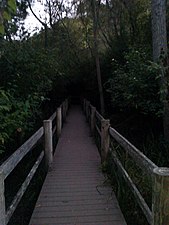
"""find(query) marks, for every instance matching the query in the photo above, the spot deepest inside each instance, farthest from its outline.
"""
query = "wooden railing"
(159, 176)
(48, 130)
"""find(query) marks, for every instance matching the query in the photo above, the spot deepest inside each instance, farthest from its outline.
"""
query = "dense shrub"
(27, 77)
(17, 116)
(135, 85)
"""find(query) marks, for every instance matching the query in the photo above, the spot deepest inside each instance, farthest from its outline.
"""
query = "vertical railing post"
(160, 200)
(2, 200)
(105, 139)
(59, 121)
(67, 105)
(48, 142)
(62, 114)
(89, 114)
(87, 110)
(92, 119)
(63, 117)
(64, 110)
(84, 106)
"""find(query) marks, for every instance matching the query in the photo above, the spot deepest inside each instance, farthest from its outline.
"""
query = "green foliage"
(6, 12)
(27, 76)
(27, 69)
(16, 115)
(134, 85)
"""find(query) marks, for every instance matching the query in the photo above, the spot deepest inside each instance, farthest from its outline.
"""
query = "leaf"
(6, 15)
(12, 5)
(2, 31)
(2, 140)
(5, 108)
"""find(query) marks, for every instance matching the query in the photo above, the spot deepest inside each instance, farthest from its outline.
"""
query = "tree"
(159, 33)
(43, 24)
(89, 13)
(95, 13)
(159, 37)
(12, 14)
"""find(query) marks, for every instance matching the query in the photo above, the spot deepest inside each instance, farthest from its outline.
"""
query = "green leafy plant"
(7, 9)
(16, 115)
(135, 85)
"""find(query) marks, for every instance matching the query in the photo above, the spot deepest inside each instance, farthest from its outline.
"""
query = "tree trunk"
(96, 54)
(159, 37)
(159, 32)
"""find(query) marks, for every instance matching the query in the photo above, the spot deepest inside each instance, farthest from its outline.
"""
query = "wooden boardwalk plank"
(74, 191)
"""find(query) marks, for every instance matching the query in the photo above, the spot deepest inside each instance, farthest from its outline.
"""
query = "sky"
(31, 23)
(38, 7)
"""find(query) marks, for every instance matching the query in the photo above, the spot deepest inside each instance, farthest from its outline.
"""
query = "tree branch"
(40, 21)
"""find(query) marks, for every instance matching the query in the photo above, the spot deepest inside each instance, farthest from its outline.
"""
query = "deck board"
(74, 191)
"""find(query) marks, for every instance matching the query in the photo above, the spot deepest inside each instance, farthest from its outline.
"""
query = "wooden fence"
(49, 129)
(101, 129)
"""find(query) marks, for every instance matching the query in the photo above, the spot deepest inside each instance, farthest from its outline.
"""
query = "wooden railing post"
(65, 109)
(105, 139)
(87, 110)
(48, 142)
(63, 117)
(92, 119)
(160, 201)
(59, 121)
(67, 105)
(2, 200)
(84, 106)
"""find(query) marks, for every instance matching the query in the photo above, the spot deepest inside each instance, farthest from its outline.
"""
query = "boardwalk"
(74, 192)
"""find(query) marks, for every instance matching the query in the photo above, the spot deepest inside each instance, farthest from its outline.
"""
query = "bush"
(16, 116)
(135, 85)
(27, 75)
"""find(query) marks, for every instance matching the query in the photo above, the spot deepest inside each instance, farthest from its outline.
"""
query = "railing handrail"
(142, 160)
(160, 176)
(10, 164)
(53, 116)
(99, 116)
(139, 198)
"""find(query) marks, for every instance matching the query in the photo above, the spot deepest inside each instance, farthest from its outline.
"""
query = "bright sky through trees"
(31, 23)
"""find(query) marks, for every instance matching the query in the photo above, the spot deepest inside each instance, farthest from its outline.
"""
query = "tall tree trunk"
(159, 32)
(96, 54)
(159, 36)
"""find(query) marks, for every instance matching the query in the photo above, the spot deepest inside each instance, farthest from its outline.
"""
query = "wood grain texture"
(47, 124)
(75, 191)
(160, 204)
